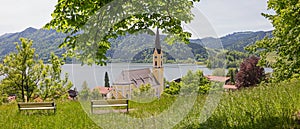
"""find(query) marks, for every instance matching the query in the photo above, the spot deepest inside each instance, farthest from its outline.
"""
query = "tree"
(232, 74)
(219, 72)
(285, 41)
(51, 84)
(26, 75)
(21, 70)
(90, 24)
(144, 93)
(174, 88)
(85, 92)
(95, 94)
(106, 80)
(250, 74)
(195, 83)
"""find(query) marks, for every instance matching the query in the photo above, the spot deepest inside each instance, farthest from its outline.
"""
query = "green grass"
(264, 106)
(69, 115)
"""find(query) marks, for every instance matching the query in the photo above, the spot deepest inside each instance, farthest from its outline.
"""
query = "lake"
(94, 75)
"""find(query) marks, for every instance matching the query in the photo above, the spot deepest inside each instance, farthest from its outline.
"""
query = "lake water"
(94, 75)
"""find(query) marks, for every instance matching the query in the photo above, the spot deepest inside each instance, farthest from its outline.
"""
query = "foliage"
(262, 107)
(45, 42)
(225, 58)
(143, 93)
(218, 72)
(85, 91)
(52, 86)
(265, 106)
(25, 75)
(250, 74)
(285, 41)
(21, 71)
(106, 80)
(85, 18)
(174, 88)
(195, 83)
(232, 74)
(95, 94)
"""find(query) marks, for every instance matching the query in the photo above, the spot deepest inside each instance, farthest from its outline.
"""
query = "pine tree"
(106, 80)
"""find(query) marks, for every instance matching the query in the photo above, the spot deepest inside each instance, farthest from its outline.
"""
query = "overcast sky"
(223, 16)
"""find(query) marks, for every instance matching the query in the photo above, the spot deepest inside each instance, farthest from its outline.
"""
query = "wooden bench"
(109, 103)
(37, 106)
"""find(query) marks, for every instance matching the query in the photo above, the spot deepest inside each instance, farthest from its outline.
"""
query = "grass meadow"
(264, 106)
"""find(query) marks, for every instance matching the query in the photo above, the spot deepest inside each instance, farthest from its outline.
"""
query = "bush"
(219, 72)
(250, 74)
(174, 88)
(195, 83)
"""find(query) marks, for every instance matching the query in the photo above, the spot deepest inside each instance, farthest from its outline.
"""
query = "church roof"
(136, 77)
(157, 42)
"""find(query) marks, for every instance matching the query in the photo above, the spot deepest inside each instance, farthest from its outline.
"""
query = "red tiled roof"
(103, 90)
(232, 87)
(217, 78)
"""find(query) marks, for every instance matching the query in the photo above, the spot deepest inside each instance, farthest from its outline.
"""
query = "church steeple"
(158, 69)
(157, 53)
(157, 41)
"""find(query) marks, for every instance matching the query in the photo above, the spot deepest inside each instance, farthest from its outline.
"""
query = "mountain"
(127, 47)
(236, 41)
(44, 42)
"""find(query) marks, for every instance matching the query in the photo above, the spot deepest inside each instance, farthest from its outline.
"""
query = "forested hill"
(236, 41)
(46, 41)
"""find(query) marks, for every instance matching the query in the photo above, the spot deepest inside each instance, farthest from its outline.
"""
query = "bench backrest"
(109, 102)
(40, 104)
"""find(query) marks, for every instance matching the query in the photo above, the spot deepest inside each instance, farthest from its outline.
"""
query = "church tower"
(158, 69)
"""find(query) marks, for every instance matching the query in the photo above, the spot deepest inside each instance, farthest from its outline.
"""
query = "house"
(222, 79)
(129, 80)
(104, 90)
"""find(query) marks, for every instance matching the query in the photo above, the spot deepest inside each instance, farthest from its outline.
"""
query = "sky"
(222, 16)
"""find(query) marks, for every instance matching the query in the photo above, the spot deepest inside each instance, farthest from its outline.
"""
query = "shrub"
(250, 74)
(174, 88)
(195, 83)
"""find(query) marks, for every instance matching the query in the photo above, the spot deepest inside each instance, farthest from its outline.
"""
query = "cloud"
(228, 16)
(17, 15)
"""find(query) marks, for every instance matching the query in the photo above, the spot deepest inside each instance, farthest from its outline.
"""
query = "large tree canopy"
(90, 24)
(285, 41)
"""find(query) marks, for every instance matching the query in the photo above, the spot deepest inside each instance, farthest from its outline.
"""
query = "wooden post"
(127, 105)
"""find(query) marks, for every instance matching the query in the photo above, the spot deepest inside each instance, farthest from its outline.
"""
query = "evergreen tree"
(85, 92)
(106, 80)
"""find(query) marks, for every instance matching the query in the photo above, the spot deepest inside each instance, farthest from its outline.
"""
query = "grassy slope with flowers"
(264, 106)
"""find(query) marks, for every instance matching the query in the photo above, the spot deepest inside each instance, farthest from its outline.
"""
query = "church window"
(155, 57)
(155, 63)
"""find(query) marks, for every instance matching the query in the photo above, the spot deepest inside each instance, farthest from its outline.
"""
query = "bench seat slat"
(37, 108)
(108, 103)
(112, 105)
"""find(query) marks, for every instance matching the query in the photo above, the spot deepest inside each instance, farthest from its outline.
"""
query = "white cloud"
(215, 18)
(228, 16)
(17, 15)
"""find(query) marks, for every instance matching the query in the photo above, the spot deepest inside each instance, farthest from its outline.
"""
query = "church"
(129, 80)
